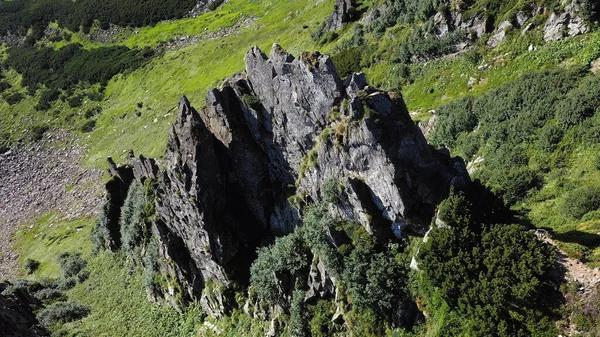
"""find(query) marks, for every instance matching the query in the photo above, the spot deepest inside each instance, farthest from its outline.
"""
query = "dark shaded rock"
(116, 192)
(144, 168)
(16, 314)
(205, 224)
(406, 314)
(343, 12)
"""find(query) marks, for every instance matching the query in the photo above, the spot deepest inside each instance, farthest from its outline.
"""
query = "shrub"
(13, 98)
(252, 101)
(4, 86)
(71, 263)
(298, 315)
(38, 132)
(498, 277)
(48, 294)
(66, 284)
(581, 201)
(75, 101)
(284, 261)
(62, 312)
(376, 280)
(549, 137)
(83, 275)
(135, 214)
(88, 126)
(331, 191)
(320, 322)
(31, 266)
(580, 103)
(348, 60)
(46, 98)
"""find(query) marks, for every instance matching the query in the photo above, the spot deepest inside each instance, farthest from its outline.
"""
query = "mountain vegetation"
(438, 194)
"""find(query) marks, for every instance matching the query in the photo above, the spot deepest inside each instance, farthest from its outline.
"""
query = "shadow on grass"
(589, 240)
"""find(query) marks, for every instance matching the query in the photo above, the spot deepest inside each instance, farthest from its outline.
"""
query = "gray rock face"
(499, 34)
(555, 27)
(343, 12)
(320, 283)
(205, 225)
(285, 127)
(391, 177)
(569, 23)
(296, 94)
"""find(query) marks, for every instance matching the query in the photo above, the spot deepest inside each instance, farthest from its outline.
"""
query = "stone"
(499, 34)
(440, 24)
(521, 18)
(320, 283)
(343, 12)
(554, 29)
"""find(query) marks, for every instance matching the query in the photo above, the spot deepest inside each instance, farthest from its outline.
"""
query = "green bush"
(38, 132)
(581, 201)
(31, 266)
(331, 191)
(320, 321)
(66, 284)
(580, 103)
(136, 212)
(4, 86)
(83, 275)
(19, 16)
(286, 260)
(49, 294)
(62, 312)
(348, 60)
(71, 263)
(66, 67)
(88, 126)
(298, 315)
(499, 278)
(13, 98)
(519, 124)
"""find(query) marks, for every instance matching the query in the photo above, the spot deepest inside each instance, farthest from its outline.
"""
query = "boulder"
(343, 12)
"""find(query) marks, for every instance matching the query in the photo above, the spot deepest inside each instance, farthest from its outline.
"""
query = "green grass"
(49, 236)
(119, 306)
(114, 293)
(191, 71)
(448, 77)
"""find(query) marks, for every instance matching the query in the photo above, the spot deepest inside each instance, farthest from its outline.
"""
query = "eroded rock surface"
(275, 133)
(344, 11)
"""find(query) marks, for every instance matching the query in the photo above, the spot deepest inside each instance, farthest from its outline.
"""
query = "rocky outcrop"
(499, 34)
(568, 23)
(206, 227)
(282, 129)
(343, 12)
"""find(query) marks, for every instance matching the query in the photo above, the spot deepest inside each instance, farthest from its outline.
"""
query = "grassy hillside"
(133, 106)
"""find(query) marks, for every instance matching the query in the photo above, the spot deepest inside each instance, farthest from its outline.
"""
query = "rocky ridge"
(241, 171)
(559, 24)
